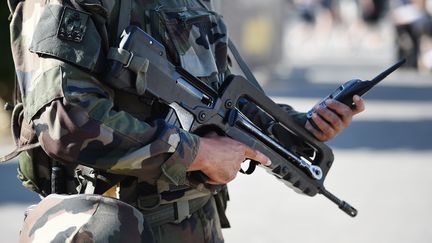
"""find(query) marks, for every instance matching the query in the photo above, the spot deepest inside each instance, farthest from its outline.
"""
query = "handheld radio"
(346, 91)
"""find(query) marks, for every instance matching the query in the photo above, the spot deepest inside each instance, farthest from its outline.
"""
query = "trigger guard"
(250, 169)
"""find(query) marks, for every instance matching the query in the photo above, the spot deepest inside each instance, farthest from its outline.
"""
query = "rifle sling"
(243, 66)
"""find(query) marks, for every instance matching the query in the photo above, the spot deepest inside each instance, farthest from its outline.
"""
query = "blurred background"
(301, 50)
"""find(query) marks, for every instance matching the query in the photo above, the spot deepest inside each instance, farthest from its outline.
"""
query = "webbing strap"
(17, 151)
(22, 133)
(138, 65)
(124, 16)
(174, 212)
(121, 55)
(243, 66)
(12, 5)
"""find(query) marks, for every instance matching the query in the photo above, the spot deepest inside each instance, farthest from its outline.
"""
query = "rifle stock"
(196, 107)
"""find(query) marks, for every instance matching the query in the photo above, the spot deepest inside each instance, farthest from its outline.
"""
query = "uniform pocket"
(34, 170)
(200, 39)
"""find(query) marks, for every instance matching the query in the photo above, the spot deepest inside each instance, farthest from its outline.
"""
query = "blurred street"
(382, 161)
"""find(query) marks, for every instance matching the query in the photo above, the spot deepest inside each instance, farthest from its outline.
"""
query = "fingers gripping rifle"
(196, 106)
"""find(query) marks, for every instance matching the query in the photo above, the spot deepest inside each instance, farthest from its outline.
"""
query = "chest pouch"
(194, 38)
(199, 37)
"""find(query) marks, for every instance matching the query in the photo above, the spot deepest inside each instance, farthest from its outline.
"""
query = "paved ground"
(382, 163)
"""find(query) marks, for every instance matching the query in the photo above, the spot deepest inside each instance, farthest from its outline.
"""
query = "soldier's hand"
(220, 158)
(333, 119)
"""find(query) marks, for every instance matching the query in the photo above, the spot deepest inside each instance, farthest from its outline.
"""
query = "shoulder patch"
(73, 25)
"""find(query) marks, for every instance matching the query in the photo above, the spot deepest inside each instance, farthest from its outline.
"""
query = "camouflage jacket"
(58, 46)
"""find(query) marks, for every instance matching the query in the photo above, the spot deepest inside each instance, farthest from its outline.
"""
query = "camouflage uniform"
(85, 218)
(84, 125)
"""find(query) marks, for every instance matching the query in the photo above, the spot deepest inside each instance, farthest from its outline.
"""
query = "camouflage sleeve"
(82, 126)
(299, 117)
(73, 113)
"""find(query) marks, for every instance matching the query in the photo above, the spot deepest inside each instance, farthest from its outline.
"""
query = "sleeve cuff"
(174, 169)
(299, 117)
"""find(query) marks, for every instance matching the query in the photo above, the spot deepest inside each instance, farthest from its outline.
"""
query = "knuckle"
(254, 154)
(340, 124)
(326, 129)
(322, 111)
(317, 119)
(335, 120)
(243, 149)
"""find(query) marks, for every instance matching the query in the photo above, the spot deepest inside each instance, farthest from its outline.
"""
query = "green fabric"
(46, 40)
(26, 173)
(50, 85)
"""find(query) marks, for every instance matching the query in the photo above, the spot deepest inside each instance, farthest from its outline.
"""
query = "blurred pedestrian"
(372, 11)
(412, 22)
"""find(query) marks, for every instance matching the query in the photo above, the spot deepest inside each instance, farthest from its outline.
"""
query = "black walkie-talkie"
(346, 91)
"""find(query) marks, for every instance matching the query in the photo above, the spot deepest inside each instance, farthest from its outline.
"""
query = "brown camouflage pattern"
(77, 121)
(94, 218)
(80, 120)
(84, 218)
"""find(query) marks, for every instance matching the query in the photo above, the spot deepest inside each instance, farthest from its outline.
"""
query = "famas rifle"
(197, 107)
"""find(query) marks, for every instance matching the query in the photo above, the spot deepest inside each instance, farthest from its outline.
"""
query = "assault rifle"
(197, 107)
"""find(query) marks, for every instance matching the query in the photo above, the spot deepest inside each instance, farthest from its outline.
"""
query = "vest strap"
(124, 15)
(243, 66)
(134, 63)
(17, 151)
(174, 212)
(22, 132)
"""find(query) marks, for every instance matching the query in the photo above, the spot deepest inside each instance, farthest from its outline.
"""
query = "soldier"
(81, 137)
